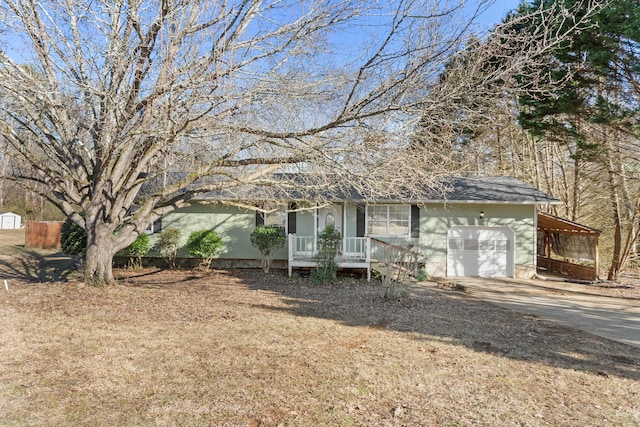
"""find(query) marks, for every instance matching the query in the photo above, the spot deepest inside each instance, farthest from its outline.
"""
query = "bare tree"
(154, 102)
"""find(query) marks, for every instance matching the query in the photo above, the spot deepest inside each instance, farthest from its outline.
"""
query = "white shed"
(10, 221)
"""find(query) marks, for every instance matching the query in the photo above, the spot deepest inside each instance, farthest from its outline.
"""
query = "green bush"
(267, 239)
(422, 275)
(73, 239)
(328, 246)
(204, 244)
(136, 250)
(168, 244)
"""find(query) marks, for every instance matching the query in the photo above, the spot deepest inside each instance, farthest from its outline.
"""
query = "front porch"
(353, 252)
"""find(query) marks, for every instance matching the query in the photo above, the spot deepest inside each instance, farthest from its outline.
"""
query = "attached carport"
(567, 248)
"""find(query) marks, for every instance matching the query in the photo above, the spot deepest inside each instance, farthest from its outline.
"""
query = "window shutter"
(259, 218)
(291, 218)
(360, 220)
(415, 221)
(157, 225)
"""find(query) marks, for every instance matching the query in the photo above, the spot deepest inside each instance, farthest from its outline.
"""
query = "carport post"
(596, 261)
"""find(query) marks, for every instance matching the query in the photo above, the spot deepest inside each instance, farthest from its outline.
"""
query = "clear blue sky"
(496, 12)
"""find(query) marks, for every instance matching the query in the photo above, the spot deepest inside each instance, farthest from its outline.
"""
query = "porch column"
(315, 229)
(597, 259)
(292, 242)
(547, 243)
(344, 227)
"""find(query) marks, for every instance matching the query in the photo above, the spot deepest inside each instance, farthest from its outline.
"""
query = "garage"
(480, 252)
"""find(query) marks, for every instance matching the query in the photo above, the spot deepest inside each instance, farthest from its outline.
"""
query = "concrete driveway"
(578, 306)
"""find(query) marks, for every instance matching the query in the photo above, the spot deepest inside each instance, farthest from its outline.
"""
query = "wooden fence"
(43, 234)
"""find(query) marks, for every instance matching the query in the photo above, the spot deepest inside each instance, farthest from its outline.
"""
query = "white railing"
(302, 247)
(354, 252)
(356, 248)
(350, 249)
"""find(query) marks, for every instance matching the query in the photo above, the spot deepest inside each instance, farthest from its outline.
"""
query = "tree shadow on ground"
(453, 317)
(160, 278)
(38, 266)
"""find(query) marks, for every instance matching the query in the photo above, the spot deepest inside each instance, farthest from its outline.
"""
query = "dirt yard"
(240, 348)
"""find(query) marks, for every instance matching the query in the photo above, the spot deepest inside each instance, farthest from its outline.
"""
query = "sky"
(497, 11)
(493, 15)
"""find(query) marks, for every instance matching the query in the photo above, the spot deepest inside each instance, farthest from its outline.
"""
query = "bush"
(204, 244)
(136, 250)
(168, 245)
(73, 239)
(267, 239)
(328, 245)
(397, 264)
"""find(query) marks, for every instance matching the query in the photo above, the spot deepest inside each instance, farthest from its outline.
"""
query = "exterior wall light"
(481, 214)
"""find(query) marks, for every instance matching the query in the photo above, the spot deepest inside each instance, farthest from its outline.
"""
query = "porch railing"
(302, 247)
(351, 249)
(356, 248)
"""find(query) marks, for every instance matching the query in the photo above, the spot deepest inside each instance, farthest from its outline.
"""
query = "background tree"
(592, 114)
(475, 130)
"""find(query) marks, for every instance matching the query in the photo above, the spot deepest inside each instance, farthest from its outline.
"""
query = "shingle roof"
(499, 189)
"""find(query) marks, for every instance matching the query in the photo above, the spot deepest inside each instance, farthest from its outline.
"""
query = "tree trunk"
(616, 265)
(614, 269)
(99, 257)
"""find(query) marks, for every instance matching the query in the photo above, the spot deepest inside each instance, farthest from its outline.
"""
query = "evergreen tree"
(594, 106)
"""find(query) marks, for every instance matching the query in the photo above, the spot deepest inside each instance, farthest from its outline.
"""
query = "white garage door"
(480, 252)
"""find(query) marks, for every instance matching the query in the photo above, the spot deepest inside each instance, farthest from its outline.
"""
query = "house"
(484, 226)
(10, 221)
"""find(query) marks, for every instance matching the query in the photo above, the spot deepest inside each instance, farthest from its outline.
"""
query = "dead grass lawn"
(239, 348)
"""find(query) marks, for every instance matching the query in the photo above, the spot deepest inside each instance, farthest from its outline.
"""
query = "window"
(389, 220)
(155, 227)
(276, 216)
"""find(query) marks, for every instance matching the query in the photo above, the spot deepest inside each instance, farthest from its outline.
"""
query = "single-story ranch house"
(485, 226)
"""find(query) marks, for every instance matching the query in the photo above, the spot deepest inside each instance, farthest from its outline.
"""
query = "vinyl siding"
(436, 219)
(234, 225)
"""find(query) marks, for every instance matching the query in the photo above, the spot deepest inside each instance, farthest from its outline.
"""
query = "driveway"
(573, 305)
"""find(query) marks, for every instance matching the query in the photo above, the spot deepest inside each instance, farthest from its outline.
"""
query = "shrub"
(136, 250)
(168, 245)
(422, 275)
(328, 244)
(73, 239)
(397, 264)
(267, 239)
(204, 244)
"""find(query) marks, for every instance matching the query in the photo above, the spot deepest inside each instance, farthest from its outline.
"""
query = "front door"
(330, 216)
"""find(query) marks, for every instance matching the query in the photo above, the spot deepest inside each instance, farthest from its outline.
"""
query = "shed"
(10, 221)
